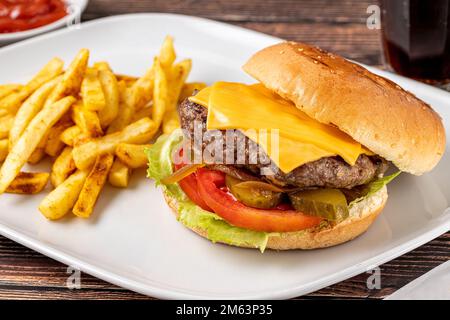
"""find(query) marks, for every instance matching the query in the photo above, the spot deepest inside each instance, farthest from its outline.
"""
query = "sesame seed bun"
(376, 112)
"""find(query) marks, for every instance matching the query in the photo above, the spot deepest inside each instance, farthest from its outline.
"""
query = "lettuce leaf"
(191, 215)
(374, 186)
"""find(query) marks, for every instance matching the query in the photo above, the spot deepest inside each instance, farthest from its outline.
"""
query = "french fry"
(37, 155)
(132, 155)
(71, 135)
(70, 83)
(128, 80)
(167, 54)
(177, 79)
(178, 76)
(119, 175)
(28, 183)
(92, 92)
(63, 167)
(62, 199)
(93, 185)
(102, 66)
(160, 94)
(93, 122)
(138, 132)
(51, 70)
(125, 112)
(142, 90)
(143, 113)
(111, 91)
(171, 121)
(86, 120)
(30, 108)
(12, 102)
(54, 144)
(30, 139)
(4, 149)
(189, 89)
(6, 124)
(7, 89)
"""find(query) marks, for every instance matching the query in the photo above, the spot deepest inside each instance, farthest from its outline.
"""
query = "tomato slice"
(190, 187)
(210, 189)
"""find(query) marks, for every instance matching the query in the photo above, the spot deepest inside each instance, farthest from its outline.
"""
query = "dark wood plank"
(352, 40)
(343, 11)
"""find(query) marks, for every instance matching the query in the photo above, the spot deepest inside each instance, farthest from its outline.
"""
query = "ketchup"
(21, 15)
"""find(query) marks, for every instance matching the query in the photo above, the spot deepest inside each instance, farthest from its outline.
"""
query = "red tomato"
(189, 186)
(210, 189)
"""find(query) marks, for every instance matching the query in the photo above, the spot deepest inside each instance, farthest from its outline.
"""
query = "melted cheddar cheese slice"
(254, 109)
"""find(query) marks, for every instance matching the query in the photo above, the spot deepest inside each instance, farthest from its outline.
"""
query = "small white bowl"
(76, 8)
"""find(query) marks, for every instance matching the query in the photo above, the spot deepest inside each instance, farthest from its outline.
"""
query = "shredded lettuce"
(191, 215)
(374, 186)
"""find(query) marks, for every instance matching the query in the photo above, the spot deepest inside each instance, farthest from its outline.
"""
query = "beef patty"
(329, 172)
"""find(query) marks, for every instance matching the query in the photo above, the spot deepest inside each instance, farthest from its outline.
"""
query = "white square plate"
(134, 241)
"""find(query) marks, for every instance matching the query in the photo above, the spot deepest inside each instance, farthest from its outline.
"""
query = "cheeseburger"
(298, 160)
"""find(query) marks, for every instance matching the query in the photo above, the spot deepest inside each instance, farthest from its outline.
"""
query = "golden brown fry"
(29, 183)
(189, 89)
(93, 185)
(51, 70)
(54, 144)
(37, 155)
(86, 120)
(111, 91)
(71, 135)
(30, 139)
(142, 90)
(12, 102)
(6, 124)
(139, 132)
(30, 108)
(102, 66)
(59, 202)
(125, 112)
(92, 92)
(171, 121)
(4, 149)
(167, 54)
(160, 94)
(119, 175)
(132, 155)
(70, 83)
(128, 80)
(143, 113)
(7, 89)
(63, 167)
(177, 79)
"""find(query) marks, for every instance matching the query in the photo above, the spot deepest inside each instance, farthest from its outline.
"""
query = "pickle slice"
(253, 197)
(329, 204)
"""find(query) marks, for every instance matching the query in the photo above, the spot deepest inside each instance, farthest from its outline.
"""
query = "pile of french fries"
(93, 123)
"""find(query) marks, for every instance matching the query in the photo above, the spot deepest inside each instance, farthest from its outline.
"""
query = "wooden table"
(339, 26)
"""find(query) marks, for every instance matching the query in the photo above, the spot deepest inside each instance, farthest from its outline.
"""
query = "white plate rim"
(163, 293)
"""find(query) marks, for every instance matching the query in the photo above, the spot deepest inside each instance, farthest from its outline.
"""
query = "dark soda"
(416, 37)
